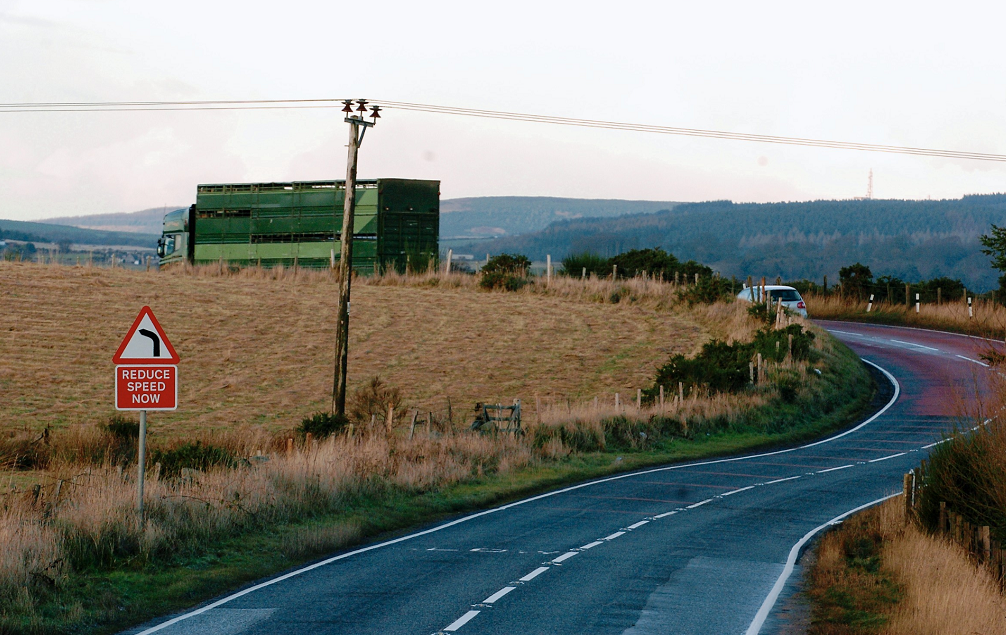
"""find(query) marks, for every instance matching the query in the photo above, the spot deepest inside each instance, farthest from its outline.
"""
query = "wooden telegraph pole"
(357, 128)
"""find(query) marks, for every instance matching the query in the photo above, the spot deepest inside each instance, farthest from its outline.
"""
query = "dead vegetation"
(985, 319)
(878, 574)
(257, 345)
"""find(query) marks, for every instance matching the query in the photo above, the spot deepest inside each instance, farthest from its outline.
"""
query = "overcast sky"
(918, 74)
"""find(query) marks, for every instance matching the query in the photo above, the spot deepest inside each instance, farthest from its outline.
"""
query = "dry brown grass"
(988, 320)
(877, 574)
(257, 345)
(87, 514)
(944, 592)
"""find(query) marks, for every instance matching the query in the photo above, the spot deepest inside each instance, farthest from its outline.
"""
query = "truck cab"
(175, 245)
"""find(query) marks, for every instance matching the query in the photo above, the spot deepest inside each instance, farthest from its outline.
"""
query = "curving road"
(706, 547)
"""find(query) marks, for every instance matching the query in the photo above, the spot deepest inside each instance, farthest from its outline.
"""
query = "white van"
(791, 298)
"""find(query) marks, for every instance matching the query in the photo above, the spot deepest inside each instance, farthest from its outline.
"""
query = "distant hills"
(148, 221)
(46, 232)
(909, 239)
(489, 216)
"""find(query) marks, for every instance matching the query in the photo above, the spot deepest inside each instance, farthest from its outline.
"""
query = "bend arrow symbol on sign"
(154, 338)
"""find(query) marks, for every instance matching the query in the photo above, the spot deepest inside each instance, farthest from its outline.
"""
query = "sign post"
(146, 378)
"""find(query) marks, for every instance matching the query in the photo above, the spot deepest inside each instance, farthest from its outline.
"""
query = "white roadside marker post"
(869, 305)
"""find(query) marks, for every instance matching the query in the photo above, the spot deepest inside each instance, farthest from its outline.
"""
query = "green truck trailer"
(300, 223)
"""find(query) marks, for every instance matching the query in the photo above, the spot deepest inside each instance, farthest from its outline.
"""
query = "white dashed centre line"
(884, 458)
(973, 361)
(495, 596)
(534, 574)
(832, 469)
(780, 480)
(461, 621)
(565, 556)
(916, 345)
(664, 515)
(614, 535)
(694, 505)
(637, 525)
(743, 489)
(590, 545)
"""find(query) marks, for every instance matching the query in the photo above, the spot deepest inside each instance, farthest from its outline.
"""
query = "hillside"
(51, 233)
(509, 215)
(148, 221)
(257, 350)
(909, 239)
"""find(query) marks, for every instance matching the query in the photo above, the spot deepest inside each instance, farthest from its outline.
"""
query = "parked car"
(791, 298)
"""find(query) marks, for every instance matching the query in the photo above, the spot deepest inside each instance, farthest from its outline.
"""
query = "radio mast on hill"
(869, 186)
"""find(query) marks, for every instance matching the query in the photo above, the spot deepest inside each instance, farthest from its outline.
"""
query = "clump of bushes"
(709, 290)
(721, 367)
(655, 262)
(193, 456)
(372, 401)
(507, 272)
(323, 424)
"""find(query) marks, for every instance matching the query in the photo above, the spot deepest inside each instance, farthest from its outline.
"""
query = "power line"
(296, 104)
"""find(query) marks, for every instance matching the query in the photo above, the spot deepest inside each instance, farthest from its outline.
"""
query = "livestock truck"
(300, 223)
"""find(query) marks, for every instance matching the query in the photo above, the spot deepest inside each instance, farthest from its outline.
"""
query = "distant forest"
(912, 240)
(45, 232)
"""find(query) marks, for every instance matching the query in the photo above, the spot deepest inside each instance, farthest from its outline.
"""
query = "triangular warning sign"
(145, 343)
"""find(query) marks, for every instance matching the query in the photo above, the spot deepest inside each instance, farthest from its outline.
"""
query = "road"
(706, 547)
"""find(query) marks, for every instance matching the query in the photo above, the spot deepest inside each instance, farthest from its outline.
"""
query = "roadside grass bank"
(876, 573)
(226, 505)
(987, 318)
(132, 587)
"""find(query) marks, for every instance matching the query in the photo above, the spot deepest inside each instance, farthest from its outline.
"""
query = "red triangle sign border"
(146, 311)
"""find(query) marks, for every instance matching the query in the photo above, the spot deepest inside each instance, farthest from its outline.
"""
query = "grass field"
(256, 353)
(258, 348)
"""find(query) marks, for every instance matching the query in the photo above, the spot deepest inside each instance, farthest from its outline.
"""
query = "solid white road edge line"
(461, 621)
(464, 519)
(495, 596)
(534, 574)
(794, 553)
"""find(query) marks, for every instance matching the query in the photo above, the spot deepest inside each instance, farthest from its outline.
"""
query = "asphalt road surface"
(706, 547)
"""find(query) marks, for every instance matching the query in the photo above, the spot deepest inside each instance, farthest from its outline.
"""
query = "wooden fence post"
(412, 428)
(943, 518)
(907, 491)
(639, 398)
(661, 398)
(986, 545)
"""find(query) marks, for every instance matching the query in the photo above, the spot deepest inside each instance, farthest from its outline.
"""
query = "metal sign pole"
(140, 466)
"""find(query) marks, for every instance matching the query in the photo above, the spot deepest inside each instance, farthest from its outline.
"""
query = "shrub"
(194, 456)
(505, 271)
(653, 261)
(722, 367)
(574, 264)
(323, 424)
(373, 400)
(709, 290)
(122, 428)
